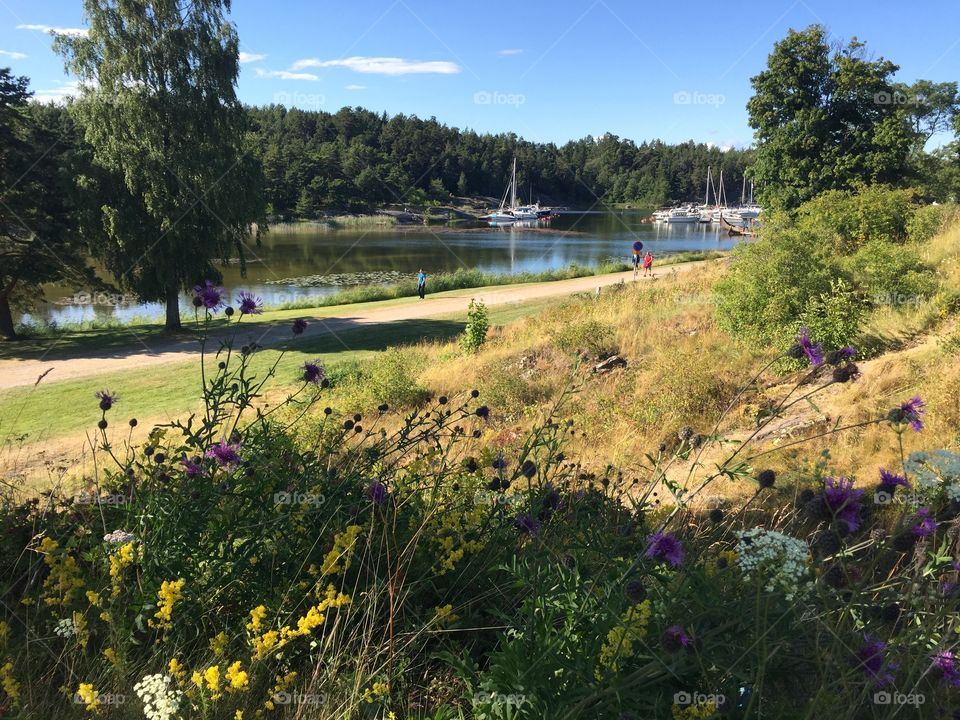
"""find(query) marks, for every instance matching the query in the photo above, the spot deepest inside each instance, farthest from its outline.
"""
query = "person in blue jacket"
(421, 284)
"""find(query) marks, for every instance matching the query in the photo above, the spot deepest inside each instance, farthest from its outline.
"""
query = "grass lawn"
(47, 411)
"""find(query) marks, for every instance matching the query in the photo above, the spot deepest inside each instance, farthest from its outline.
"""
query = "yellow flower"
(338, 559)
(256, 618)
(620, 639)
(237, 678)
(120, 561)
(171, 592)
(176, 669)
(4, 634)
(9, 683)
(89, 696)
(212, 677)
(94, 598)
(238, 715)
(281, 685)
(444, 615)
(64, 579)
(376, 691)
(111, 655)
(695, 711)
(218, 644)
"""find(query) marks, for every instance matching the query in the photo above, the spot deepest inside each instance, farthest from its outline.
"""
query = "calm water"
(583, 238)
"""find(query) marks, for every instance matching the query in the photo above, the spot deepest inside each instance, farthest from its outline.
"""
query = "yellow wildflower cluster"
(80, 629)
(237, 678)
(376, 691)
(120, 560)
(315, 617)
(694, 711)
(176, 669)
(620, 639)
(282, 684)
(338, 559)
(89, 696)
(444, 615)
(209, 679)
(64, 580)
(451, 534)
(219, 642)
(171, 592)
(9, 683)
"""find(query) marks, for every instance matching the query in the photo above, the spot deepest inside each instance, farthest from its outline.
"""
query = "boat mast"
(722, 197)
(706, 194)
(513, 184)
(743, 191)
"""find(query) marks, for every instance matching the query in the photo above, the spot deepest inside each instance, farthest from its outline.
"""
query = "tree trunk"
(6, 319)
(173, 309)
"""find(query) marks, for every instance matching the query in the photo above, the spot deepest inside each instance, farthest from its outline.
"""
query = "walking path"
(158, 350)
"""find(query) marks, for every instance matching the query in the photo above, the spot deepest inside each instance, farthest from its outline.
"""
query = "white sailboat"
(505, 215)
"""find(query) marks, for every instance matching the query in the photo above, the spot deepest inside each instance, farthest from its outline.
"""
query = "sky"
(548, 71)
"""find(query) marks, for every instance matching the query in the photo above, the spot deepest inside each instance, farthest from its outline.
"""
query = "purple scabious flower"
(209, 295)
(665, 546)
(912, 412)
(249, 303)
(499, 463)
(872, 657)
(107, 399)
(675, 638)
(298, 326)
(377, 492)
(313, 372)
(946, 662)
(527, 523)
(813, 351)
(889, 482)
(926, 525)
(226, 454)
(843, 501)
(192, 467)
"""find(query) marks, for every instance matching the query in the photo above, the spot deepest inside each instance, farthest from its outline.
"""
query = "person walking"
(648, 264)
(637, 247)
(421, 284)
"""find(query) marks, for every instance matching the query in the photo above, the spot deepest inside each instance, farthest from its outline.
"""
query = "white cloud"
(68, 89)
(246, 57)
(509, 51)
(74, 32)
(285, 75)
(382, 65)
(13, 55)
(355, 87)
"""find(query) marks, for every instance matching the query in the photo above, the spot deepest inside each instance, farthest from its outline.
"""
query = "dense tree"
(174, 189)
(825, 119)
(38, 242)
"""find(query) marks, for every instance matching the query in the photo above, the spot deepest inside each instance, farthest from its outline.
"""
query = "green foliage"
(475, 333)
(889, 273)
(850, 218)
(834, 317)
(390, 378)
(928, 220)
(595, 337)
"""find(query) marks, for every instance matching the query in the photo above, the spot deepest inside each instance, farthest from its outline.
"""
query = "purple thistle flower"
(946, 662)
(814, 352)
(889, 482)
(377, 492)
(843, 501)
(526, 523)
(675, 639)
(926, 525)
(313, 372)
(107, 399)
(499, 462)
(249, 303)
(299, 325)
(209, 295)
(192, 468)
(912, 412)
(226, 454)
(872, 657)
(665, 546)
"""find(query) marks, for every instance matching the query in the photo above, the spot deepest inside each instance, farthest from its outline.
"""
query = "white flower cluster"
(160, 701)
(779, 559)
(933, 472)
(65, 628)
(119, 537)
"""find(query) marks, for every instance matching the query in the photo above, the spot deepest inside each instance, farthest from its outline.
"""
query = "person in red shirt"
(648, 264)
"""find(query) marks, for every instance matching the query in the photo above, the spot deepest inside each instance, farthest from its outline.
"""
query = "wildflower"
(528, 468)
(716, 515)
(499, 462)
(483, 412)
(837, 357)
(805, 347)
(926, 525)
(87, 695)
(665, 546)
(249, 303)
(635, 591)
(911, 412)
(889, 482)
(377, 492)
(209, 296)
(685, 433)
(874, 663)
(298, 326)
(236, 677)
(675, 639)
(846, 373)
(226, 454)
(211, 677)
(118, 537)
(161, 701)
(9, 683)
(526, 523)
(176, 669)
(170, 593)
(120, 560)
(338, 559)
(313, 372)
(444, 615)
(218, 643)
(107, 399)
(766, 478)
(843, 501)
(946, 662)
(778, 559)
(620, 639)
(192, 467)
(256, 618)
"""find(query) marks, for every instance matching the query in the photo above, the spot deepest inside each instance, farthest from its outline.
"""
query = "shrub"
(850, 219)
(591, 336)
(391, 379)
(929, 220)
(475, 333)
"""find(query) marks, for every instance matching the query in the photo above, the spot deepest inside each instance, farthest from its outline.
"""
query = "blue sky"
(549, 71)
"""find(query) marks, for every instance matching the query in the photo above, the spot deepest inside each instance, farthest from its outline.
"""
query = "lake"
(290, 252)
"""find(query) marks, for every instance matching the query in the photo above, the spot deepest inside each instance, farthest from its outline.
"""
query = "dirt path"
(153, 351)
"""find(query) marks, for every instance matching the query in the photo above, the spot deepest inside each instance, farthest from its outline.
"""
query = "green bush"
(890, 274)
(834, 317)
(475, 333)
(391, 379)
(928, 220)
(849, 219)
(597, 338)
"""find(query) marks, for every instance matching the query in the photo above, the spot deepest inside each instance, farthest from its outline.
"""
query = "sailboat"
(706, 212)
(505, 215)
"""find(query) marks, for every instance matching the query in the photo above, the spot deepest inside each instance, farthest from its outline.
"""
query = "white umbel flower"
(781, 561)
(160, 700)
(935, 472)
(65, 628)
